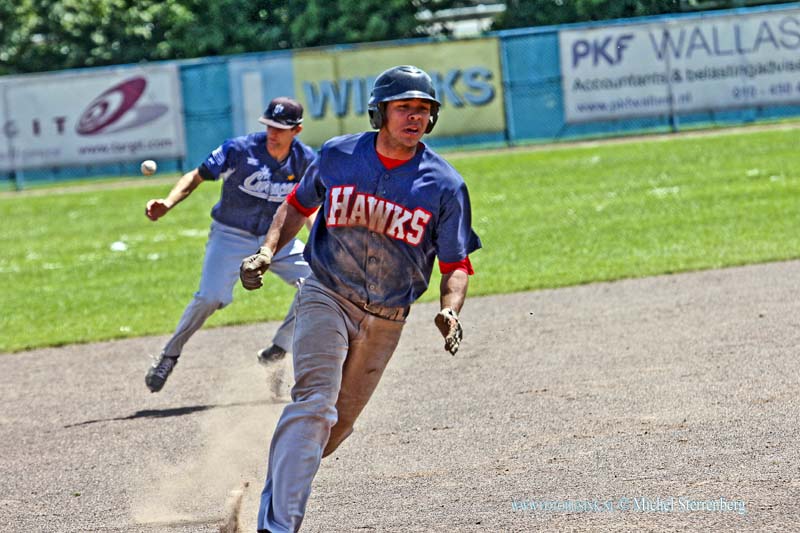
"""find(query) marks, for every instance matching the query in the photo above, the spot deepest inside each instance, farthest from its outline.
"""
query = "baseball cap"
(282, 112)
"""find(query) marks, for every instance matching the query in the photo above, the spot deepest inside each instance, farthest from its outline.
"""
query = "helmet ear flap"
(376, 115)
(433, 118)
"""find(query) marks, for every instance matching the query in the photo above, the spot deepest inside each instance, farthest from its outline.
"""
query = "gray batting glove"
(450, 328)
(252, 269)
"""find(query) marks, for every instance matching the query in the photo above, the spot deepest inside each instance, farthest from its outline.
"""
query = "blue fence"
(531, 85)
(535, 100)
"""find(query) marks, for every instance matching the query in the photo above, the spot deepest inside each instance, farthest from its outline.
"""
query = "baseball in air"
(149, 167)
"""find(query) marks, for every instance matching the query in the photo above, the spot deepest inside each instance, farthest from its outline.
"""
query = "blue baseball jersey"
(379, 231)
(254, 184)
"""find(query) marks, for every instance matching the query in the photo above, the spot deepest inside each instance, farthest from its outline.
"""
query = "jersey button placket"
(373, 266)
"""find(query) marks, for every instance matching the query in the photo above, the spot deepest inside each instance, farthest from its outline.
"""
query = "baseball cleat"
(270, 355)
(158, 373)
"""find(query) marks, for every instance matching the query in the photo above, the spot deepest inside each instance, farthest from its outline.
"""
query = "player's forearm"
(183, 188)
(453, 290)
(285, 225)
(310, 220)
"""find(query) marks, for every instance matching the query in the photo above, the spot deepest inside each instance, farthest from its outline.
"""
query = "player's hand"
(252, 269)
(450, 328)
(156, 209)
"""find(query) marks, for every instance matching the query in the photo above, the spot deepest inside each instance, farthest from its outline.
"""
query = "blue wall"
(211, 90)
(206, 108)
(534, 99)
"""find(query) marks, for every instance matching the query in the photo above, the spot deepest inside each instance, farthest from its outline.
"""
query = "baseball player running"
(390, 206)
(257, 171)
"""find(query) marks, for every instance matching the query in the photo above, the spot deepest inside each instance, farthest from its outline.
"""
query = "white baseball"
(149, 167)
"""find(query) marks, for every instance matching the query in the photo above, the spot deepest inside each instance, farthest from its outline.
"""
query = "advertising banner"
(334, 86)
(93, 117)
(681, 65)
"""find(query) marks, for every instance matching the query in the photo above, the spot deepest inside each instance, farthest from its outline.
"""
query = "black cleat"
(158, 373)
(269, 355)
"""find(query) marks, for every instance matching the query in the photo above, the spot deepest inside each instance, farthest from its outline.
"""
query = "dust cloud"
(203, 486)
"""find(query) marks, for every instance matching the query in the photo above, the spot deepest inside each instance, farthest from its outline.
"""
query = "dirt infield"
(661, 404)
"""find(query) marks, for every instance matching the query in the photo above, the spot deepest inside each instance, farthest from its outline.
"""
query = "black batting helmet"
(401, 83)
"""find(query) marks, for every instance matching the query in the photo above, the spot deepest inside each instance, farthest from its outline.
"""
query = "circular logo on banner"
(116, 110)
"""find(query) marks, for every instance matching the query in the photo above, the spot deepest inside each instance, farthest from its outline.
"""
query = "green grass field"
(88, 266)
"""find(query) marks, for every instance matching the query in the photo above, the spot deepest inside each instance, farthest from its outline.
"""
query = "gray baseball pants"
(340, 353)
(225, 249)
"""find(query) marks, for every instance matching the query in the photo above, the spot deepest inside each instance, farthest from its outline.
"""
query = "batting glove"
(450, 328)
(252, 269)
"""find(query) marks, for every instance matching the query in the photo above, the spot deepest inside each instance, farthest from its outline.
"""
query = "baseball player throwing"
(258, 171)
(390, 206)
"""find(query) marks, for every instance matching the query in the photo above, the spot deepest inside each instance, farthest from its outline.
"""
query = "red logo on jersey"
(377, 214)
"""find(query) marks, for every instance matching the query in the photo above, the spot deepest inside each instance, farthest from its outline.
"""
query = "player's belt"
(389, 313)
(397, 314)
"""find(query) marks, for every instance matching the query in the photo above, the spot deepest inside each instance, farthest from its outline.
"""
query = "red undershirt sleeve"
(292, 200)
(464, 264)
